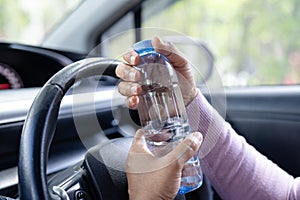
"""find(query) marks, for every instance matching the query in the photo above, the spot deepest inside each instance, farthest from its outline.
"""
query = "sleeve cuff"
(204, 118)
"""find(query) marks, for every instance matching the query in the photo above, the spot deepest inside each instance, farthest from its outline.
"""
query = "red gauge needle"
(4, 86)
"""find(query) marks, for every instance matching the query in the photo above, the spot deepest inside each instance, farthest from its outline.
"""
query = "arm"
(235, 168)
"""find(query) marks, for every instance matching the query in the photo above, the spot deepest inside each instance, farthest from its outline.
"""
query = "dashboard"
(23, 71)
(23, 66)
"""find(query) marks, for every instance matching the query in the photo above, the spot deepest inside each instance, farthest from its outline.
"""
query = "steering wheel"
(90, 179)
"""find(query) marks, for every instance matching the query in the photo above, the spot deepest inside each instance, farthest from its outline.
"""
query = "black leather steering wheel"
(40, 124)
(38, 130)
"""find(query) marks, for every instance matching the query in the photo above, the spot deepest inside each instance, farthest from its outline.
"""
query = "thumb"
(187, 148)
(169, 50)
(139, 144)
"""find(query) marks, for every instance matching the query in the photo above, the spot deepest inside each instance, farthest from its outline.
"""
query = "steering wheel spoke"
(72, 184)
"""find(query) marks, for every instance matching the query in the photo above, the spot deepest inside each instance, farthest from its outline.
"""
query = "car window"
(27, 21)
(118, 38)
(254, 42)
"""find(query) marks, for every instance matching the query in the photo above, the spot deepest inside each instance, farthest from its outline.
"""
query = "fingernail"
(132, 60)
(134, 90)
(196, 138)
(132, 75)
(130, 101)
(199, 136)
(159, 40)
(133, 101)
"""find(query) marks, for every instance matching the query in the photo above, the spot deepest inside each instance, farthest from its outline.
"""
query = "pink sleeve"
(235, 169)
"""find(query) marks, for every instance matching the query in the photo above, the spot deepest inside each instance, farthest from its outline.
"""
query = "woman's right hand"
(129, 87)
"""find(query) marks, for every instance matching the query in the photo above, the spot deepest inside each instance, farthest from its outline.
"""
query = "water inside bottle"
(165, 125)
(191, 176)
(165, 119)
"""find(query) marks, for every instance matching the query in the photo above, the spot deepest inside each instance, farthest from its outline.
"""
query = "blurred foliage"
(27, 21)
(254, 42)
(256, 38)
(12, 18)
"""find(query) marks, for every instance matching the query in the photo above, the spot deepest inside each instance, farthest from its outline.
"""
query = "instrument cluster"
(23, 66)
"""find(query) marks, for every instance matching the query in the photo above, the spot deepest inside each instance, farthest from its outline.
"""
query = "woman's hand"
(130, 75)
(157, 178)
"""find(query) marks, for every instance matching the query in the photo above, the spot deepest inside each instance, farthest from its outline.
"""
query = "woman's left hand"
(157, 178)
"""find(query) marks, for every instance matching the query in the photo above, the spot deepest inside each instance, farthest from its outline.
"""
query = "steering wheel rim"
(39, 126)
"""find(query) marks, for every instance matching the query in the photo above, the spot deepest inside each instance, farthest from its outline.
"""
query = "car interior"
(66, 131)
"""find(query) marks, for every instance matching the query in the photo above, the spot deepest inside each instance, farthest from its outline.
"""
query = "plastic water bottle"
(162, 111)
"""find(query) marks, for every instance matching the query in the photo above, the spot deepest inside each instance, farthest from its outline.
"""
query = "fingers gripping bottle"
(162, 112)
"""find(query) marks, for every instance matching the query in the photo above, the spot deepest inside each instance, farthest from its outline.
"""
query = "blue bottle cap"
(143, 46)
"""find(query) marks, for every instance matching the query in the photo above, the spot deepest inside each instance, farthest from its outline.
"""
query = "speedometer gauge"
(9, 78)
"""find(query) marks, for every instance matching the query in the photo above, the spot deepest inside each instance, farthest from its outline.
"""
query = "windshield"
(28, 21)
